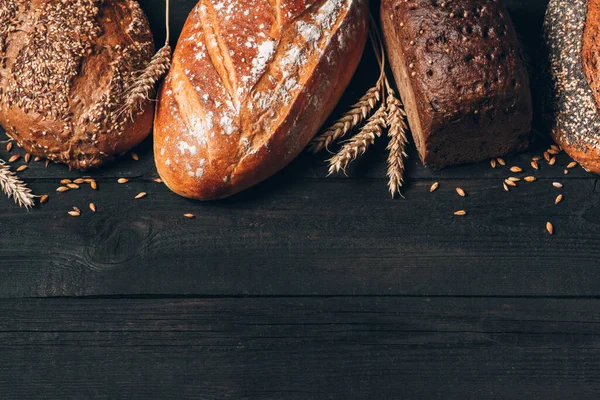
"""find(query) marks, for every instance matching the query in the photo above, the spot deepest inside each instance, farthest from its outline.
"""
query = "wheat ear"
(359, 143)
(358, 112)
(145, 80)
(350, 120)
(395, 119)
(14, 187)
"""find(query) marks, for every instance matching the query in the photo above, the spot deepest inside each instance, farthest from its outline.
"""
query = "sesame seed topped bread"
(461, 75)
(571, 78)
(251, 83)
(66, 66)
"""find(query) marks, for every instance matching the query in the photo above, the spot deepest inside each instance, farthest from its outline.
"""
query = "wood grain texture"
(293, 348)
(305, 286)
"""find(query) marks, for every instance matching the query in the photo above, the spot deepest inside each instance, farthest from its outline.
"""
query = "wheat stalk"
(145, 80)
(14, 187)
(359, 111)
(395, 119)
(359, 143)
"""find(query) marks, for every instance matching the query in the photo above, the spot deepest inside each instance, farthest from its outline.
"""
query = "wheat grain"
(516, 169)
(501, 161)
(550, 228)
(94, 185)
(14, 158)
(15, 188)
(535, 165)
(122, 180)
(158, 180)
(558, 199)
(189, 215)
(135, 156)
(530, 179)
(9, 146)
(27, 157)
(552, 161)
(22, 168)
(74, 213)
(141, 195)
(460, 212)
(44, 199)
(493, 163)
(434, 187)
(460, 192)
(93, 207)
(62, 189)
(572, 165)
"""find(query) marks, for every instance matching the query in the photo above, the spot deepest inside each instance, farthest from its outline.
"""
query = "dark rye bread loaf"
(462, 77)
(571, 78)
(65, 68)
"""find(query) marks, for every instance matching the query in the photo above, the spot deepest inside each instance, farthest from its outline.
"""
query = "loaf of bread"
(571, 78)
(250, 84)
(461, 75)
(66, 66)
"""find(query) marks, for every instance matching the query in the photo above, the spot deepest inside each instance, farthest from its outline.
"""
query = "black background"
(306, 286)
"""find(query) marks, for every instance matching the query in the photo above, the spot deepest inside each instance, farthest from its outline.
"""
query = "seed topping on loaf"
(57, 45)
(571, 107)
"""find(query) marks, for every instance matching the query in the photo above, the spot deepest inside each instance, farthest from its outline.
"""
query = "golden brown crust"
(66, 68)
(249, 87)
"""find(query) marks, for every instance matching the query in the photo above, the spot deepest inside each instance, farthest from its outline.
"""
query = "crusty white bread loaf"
(66, 67)
(251, 83)
(570, 78)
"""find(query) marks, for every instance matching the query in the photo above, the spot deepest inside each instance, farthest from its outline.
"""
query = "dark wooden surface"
(306, 286)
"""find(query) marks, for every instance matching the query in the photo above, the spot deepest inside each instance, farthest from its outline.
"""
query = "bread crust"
(66, 66)
(250, 85)
(461, 75)
(571, 84)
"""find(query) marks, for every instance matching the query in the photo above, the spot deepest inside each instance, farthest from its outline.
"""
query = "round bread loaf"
(251, 83)
(66, 67)
(571, 78)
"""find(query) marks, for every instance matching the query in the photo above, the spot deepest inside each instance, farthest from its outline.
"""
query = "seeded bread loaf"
(461, 75)
(65, 68)
(571, 78)
(251, 83)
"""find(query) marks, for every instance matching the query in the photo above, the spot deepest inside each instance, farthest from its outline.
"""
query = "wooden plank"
(307, 237)
(273, 348)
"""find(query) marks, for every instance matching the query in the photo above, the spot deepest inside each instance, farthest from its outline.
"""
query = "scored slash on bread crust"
(66, 67)
(251, 83)
(461, 76)
(570, 78)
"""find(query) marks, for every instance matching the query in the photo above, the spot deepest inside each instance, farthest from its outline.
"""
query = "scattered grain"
(550, 228)
(552, 161)
(14, 158)
(44, 199)
(557, 185)
(46, 163)
(514, 179)
(493, 163)
(460, 212)
(94, 185)
(535, 165)
(9, 146)
(141, 195)
(62, 189)
(572, 165)
(76, 209)
(510, 183)
(27, 157)
(123, 180)
(434, 187)
(73, 186)
(460, 192)
(79, 181)
(558, 199)
(536, 158)
(547, 156)
(93, 207)
(37, 159)
(505, 186)
(516, 169)
(530, 178)
(74, 213)
(135, 156)
(501, 161)
(158, 180)
(188, 215)
(22, 168)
